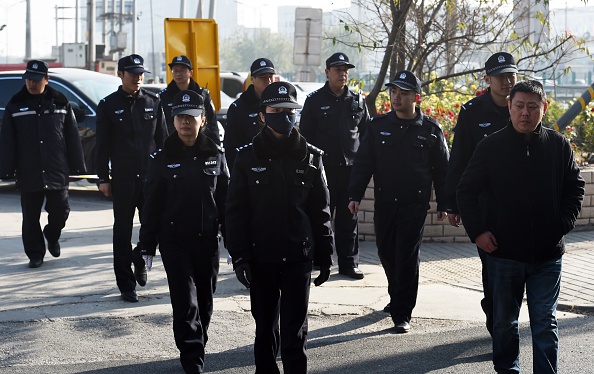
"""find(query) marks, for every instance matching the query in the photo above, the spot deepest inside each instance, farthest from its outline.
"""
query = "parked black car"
(83, 88)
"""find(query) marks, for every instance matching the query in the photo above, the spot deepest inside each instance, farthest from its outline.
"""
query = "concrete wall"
(442, 231)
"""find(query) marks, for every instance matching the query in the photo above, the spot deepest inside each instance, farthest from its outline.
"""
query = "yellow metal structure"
(199, 40)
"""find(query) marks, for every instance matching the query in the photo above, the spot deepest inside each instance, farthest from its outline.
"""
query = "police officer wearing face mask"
(243, 120)
(278, 221)
(334, 118)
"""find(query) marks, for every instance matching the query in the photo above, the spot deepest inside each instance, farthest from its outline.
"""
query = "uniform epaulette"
(220, 148)
(313, 92)
(313, 149)
(110, 96)
(150, 93)
(157, 153)
(471, 102)
(432, 120)
(162, 91)
(379, 116)
(239, 149)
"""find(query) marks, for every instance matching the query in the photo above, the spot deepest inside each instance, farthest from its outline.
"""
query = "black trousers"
(487, 301)
(280, 290)
(58, 208)
(192, 269)
(127, 197)
(346, 234)
(399, 232)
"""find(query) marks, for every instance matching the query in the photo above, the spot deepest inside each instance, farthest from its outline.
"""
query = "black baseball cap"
(187, 102)
(181, 60)
(132, 64)
(406, 80)
(262, 66)
(338, 59)
(500, 63)
(36, 70)
(280, 95)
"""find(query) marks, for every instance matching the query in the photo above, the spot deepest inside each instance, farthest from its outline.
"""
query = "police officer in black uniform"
(406, 153)
(243, 120)
(479, 118)
(334, 118)
(278, 221)
(130, 126)
(185, 192)
(40, 144)
(182, 71)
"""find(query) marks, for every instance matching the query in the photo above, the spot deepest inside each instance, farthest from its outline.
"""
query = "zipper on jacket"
(528, 149)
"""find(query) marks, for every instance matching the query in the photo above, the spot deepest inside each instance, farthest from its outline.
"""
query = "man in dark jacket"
(533, 193)
(181, 69)
(479, 118)
(278, 221)
(40, 145)
(130, 126)
(406, 153)
(334, 118)
(243, 120)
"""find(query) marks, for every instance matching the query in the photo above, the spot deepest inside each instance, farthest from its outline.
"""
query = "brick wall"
(436, 231)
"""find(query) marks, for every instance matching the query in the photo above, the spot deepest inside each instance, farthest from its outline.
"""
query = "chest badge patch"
(149, 109)
(300, 171)
(173, 166)
(24, 109)
(120, 111)
(326, 107)
(485, 124)
(385, 133)
(211, 162)
(259, 169)
(252, 115)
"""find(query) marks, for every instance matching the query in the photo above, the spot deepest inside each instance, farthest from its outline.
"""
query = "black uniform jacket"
(334, 124)
(129, 129)
(478, 118)
(277, 206)
(243, 123)
(167, 94)
(533, 193)
(40, 141)
(185, 192)
(405, 157)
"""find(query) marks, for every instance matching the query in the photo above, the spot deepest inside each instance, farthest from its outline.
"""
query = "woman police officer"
(185, 192)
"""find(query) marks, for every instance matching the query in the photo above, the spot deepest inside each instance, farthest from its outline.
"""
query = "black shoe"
(354, 273)
(387, 308)
(54, 248)
(130, 296)
(402, 327)
(141, 274)
(36, 263)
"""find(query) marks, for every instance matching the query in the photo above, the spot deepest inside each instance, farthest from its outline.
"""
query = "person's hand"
(105, 188)
(354, 207)
(487, 242)
(441, 216)
(244, 274)
(323, 277)
(148, 261)
(454, 219)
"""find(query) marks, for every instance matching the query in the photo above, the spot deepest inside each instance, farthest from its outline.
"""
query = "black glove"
(244, 274)
(323, 277)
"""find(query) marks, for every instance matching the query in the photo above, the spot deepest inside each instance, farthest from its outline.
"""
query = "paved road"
(67, 317)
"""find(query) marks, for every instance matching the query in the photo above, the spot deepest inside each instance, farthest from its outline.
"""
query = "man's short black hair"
(530, 86)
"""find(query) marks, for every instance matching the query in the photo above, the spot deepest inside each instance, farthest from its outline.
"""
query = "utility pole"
(27, 32)
(211, 9)
(182, 8)
(91, 32)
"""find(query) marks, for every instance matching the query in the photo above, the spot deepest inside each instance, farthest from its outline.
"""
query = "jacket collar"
(48, 94)
(172, 88)
(265, 146)
(173, 148)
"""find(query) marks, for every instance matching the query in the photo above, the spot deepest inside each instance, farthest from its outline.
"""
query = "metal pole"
(122, 24)
(211, 9)
(104, 32)
(182, 8)
(76, 17)
(199, 9)
(57, 26)
(91, 30)
(27, 32)
(578, 106)
(134, 26)
(307, 31)
(154, 68)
